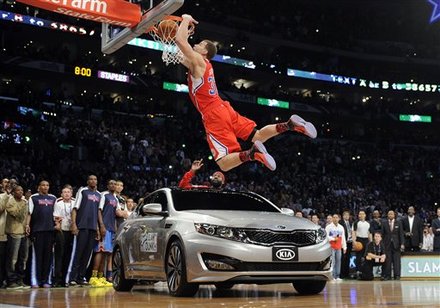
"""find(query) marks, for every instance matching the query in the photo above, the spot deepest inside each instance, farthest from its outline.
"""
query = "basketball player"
(223, 125)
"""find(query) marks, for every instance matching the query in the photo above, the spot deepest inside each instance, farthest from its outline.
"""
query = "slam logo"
(285, 254)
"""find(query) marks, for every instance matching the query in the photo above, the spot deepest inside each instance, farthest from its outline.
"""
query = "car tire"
(120, 283)
(309, 287)
(175, 270)
(224, 286)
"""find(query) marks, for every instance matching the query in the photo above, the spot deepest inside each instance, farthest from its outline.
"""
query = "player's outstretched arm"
(192, 59)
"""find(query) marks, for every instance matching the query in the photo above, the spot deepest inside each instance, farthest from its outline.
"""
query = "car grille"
(269, 238)
(279, 267)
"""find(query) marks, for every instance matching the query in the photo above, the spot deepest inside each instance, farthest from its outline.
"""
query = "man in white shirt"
(63, 236)
(336, 236)
(361, 233)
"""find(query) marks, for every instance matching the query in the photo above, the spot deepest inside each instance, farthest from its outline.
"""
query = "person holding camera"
(374, 256)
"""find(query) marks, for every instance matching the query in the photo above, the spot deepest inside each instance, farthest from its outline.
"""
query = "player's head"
(206, 48)
(217, 179)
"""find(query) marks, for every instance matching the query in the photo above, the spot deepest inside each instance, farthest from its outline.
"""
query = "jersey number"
(212, 86)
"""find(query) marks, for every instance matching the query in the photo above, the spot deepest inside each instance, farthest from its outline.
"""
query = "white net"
(165, 33)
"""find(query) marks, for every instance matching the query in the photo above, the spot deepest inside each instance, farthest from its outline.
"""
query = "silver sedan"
(193, 237)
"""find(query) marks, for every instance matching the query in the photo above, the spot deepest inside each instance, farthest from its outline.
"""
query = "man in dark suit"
(436, 231)
(347, 225)
(413, 231)
(393, 240)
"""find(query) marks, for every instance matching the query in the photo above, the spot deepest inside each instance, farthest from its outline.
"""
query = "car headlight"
(321, 235)
(228, 233)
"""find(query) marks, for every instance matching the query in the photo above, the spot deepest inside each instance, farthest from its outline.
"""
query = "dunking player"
(223, 125)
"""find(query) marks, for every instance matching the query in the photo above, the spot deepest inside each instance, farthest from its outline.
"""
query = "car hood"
(245, 219)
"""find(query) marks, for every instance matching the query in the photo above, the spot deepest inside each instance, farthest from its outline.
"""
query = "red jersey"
(203, 91)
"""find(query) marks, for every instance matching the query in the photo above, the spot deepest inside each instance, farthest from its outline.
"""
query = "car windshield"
(185, 200)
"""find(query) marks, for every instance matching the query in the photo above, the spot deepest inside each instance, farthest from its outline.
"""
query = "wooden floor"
(348, 293)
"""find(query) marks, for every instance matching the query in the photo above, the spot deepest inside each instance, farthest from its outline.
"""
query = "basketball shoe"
(259, 152)
(298, 124)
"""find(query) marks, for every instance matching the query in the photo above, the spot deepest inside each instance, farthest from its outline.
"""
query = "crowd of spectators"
(326, 175)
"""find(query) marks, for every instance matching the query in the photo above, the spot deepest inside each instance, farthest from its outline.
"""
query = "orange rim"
(177, 19)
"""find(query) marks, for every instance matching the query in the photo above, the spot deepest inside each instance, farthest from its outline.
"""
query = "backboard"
(114, 38)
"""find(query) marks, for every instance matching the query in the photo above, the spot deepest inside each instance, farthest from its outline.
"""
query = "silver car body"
(143, 240)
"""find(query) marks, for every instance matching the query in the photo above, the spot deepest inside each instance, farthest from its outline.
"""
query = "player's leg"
(295, 123)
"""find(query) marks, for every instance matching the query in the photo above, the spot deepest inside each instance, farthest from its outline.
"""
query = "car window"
(161, 198)
(204, 200)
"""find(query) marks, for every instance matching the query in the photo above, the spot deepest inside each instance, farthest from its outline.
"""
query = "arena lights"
(43, 23)
(272, 103)
(415, 118)
(175, 87)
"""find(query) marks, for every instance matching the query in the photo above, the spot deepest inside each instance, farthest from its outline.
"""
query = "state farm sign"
(103, 11)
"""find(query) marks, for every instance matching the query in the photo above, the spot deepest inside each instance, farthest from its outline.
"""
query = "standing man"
(42, 226)
(63, 236)
(413, 230)
(361, 233)
(393, 240)
(108, 210)
(436, 231)
(376, 222)
(223, 125)
(336, 236)
(3, 238)
(122, 203)
(16, 230)
(347, 225)
(85, 229)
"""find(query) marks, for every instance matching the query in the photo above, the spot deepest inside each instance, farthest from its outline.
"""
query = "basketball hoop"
(164, 32)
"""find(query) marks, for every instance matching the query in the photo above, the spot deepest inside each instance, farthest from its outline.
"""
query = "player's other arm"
(192, 60)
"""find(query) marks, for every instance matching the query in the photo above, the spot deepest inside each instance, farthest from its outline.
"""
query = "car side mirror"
(153, 209)
(287, 211)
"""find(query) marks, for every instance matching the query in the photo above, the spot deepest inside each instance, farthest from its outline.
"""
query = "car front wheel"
(120, 283)
(175, 269)
(309, 287)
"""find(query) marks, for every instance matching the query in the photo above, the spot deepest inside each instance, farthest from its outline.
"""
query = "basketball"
(167, 29)
(357, 246)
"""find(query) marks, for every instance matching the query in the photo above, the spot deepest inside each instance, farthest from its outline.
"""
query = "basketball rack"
(111, 42)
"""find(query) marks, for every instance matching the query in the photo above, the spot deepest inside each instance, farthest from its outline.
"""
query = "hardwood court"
(336, 294)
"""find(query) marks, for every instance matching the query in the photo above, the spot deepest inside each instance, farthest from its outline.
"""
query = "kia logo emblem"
(285, 254)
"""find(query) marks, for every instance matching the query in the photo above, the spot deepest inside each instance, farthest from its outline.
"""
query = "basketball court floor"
(349, 293)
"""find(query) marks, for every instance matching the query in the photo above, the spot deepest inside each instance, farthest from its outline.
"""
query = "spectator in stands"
(428, 240)
(436, 230)
(413, 229)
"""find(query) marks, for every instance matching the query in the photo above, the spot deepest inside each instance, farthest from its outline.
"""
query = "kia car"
(190, 238)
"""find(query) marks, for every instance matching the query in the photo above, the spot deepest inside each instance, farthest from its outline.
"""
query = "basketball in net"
(167, 30)
(164, 32)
